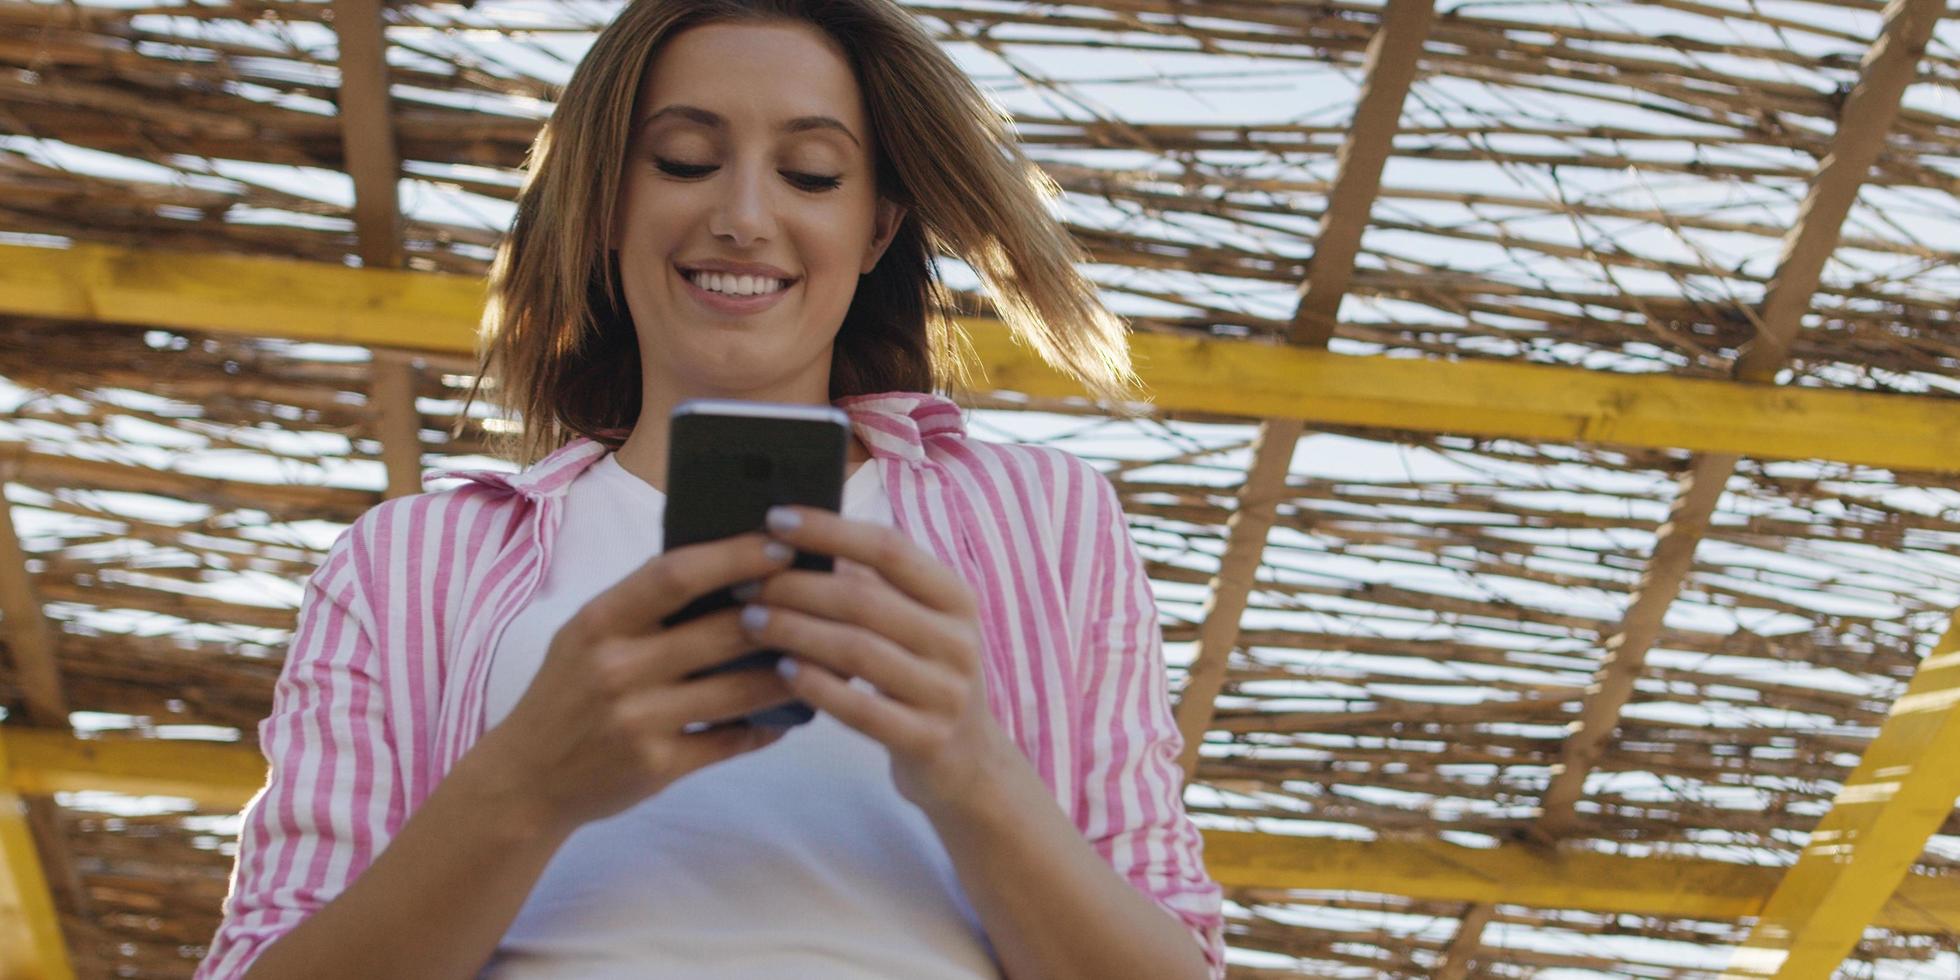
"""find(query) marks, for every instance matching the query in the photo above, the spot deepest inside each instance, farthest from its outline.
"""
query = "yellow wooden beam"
(1536, 877)
(235, 294)
(432, 312)
(1902, 791)
(31, 944)
(219, 776)
(213, 774)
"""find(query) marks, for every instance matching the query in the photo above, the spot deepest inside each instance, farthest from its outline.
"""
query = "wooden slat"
(1389, 68)
(1902, 791)
(433, 313)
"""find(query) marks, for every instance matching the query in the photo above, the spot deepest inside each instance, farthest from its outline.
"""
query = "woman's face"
(747, 212)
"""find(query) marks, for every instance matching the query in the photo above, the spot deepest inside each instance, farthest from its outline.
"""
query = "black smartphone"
(728, 462)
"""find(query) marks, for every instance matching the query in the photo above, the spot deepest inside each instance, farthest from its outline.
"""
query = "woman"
(740, 199)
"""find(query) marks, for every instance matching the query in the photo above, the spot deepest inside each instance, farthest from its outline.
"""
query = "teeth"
(718, 282)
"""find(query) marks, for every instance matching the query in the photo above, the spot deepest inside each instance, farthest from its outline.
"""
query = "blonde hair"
(557, 346)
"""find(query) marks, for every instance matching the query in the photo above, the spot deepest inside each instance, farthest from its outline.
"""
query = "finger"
(704, 749)
(664, 585)
(863, 598)
(853, 651)
(899, 728)
(660, 659)
(716, 698)
(885, 550)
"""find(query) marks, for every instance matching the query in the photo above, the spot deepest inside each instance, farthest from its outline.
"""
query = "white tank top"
(799, 860)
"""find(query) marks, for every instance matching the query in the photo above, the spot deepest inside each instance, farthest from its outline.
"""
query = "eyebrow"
(800, 124)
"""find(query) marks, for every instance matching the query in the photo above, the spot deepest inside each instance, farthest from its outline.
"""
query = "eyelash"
(808, 182)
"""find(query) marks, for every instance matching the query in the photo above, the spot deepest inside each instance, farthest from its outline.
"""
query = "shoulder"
(1018, 459)
(421, 535)
(1060, 474)
(434, 512)
(1053, 488)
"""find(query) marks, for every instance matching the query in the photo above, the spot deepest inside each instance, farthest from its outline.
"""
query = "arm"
(1132, 803)
(1123, 891)
(473, 838)
(333, 803)
(1049, 899)
(334, 879)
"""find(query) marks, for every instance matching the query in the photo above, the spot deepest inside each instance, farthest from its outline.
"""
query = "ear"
(890, 215)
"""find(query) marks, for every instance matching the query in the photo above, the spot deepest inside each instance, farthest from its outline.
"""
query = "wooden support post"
(367, 136)
(1863, 123)
(391, 404)
(367, 131)
(1467, 943)
(1231, 587)
(1388, 71)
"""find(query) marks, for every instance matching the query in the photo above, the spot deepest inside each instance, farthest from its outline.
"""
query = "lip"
(733, 305)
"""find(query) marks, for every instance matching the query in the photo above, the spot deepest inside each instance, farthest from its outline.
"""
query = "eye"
(812, 182)
(677, 169)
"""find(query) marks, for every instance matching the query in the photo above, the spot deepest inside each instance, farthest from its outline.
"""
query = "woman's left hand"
(895, 616)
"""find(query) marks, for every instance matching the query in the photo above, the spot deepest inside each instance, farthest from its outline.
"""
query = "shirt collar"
(892, 425)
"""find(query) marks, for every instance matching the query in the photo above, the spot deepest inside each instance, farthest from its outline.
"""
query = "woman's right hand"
(601, 726)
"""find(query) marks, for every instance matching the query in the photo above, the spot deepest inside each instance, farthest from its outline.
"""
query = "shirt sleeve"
(1133, 788)
(331, 801)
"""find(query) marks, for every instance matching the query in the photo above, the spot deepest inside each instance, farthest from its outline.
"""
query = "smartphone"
(728, 462)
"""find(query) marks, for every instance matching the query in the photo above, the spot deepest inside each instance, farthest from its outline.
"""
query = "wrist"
(984, 794)
(512, 803)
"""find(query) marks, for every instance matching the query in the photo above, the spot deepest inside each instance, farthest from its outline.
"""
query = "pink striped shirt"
(383, 685)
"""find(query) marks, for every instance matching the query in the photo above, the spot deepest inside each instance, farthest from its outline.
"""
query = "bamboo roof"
(1450, 635)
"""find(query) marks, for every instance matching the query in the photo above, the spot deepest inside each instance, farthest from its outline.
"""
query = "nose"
(742, 215)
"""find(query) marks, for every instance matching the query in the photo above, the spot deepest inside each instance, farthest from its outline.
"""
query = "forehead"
(759, 71)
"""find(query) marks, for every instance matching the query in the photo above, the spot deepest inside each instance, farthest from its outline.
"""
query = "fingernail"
(778, 551)
(781, 519)
(746, 592)
(788, 668)
(754, 618)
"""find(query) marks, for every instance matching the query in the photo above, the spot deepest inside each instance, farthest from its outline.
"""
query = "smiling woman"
(491, 758)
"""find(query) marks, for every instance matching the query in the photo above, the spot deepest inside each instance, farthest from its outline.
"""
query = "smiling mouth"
(737, 287)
